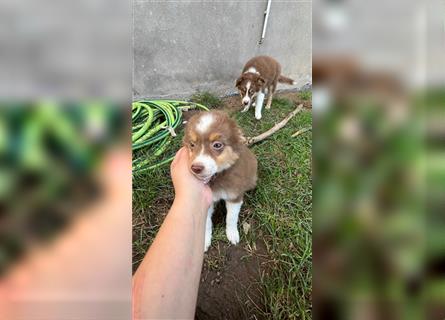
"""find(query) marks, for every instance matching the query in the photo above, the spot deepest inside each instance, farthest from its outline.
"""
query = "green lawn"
(279, 210)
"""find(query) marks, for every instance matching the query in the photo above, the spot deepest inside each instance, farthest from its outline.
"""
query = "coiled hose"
(154, 124)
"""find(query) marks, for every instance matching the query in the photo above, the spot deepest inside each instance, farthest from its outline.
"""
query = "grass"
(208, 99)
(278, 210)
(305, 95)
(282, 205)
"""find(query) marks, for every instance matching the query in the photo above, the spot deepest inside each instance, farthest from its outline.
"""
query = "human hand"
(187, 187)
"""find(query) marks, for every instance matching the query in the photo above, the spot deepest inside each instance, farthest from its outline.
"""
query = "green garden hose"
(154, 124)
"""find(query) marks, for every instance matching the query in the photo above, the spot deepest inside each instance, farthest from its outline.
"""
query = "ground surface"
(267, 275)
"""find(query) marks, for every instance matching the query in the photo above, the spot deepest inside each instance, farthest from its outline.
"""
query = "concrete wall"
(181, 47)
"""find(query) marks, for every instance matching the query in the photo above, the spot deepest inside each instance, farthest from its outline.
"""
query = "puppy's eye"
(192, 145)
(217, 145)
(250, 91)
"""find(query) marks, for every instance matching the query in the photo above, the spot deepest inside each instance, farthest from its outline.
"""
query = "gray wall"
(181, 47)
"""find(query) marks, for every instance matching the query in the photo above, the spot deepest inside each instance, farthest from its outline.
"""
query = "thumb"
(178, 157)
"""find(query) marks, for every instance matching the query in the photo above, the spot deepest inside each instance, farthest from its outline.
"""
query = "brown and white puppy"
(260, 76)
(218, 156)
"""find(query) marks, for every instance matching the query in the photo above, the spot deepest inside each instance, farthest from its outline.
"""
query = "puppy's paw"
(207, 242)
(232, 235)
(258, 116)
(267, 106)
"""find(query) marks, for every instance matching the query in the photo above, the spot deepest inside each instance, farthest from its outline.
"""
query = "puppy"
(260, 76)
(219, 157)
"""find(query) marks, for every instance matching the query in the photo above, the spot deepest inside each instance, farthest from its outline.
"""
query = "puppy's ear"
(260, 81)
(187, 124)
(238, 135)
(185, 140)
(238, 81)
(241, 138)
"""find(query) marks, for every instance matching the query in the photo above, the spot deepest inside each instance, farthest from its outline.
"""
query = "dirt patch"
(232, 103)
(229, 286)
(230, 278)
(295, 98)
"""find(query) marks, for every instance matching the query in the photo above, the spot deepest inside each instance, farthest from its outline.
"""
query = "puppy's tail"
(287, 80)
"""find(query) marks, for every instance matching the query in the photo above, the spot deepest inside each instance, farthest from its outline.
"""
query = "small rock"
(246, 227)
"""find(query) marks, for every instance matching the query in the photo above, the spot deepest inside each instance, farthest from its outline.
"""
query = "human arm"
(166, 283)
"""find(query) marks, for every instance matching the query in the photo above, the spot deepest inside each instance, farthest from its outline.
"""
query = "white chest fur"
(222, 195)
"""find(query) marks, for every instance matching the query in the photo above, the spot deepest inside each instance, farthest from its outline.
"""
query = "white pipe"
(266, 17)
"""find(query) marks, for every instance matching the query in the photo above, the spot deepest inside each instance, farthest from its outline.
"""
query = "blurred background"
(50, 156)
(379, 159)
(65, 159)
(65, 49)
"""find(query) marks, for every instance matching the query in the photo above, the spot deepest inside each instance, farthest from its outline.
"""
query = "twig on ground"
(275, 128)
(301, 131)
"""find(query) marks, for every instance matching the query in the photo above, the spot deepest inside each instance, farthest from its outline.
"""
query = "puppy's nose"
(245, 102)
(197, 168)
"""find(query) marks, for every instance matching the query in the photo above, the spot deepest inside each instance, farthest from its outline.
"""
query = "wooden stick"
(301, 131)
(275, 128)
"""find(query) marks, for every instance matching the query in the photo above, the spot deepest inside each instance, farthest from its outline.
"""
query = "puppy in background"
(260, 76)
(219, 157)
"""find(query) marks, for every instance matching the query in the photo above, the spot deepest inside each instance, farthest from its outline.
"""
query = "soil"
(234, 102)
(229, 287)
